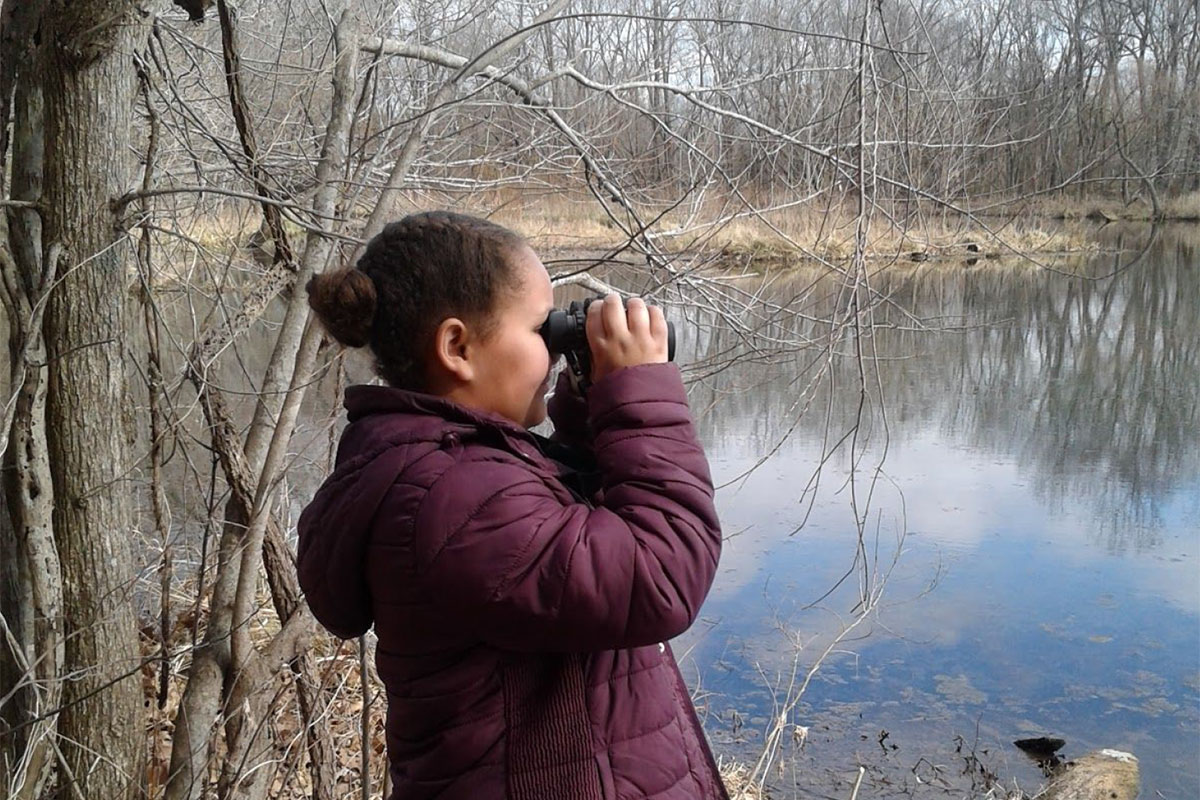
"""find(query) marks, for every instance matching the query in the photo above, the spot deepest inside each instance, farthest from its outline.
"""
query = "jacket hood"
(335, 528)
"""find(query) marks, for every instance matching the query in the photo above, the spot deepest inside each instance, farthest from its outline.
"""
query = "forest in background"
(970, 103)
(171, 174)
(711, 126)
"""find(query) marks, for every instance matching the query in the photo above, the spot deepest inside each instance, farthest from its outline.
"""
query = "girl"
(521, 609)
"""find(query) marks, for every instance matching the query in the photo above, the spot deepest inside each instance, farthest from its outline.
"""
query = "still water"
(1015, 494)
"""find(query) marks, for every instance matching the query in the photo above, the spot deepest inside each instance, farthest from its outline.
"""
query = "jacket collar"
(436, 418)
(365, 400)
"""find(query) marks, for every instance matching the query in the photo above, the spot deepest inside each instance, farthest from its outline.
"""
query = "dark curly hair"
(414, 274)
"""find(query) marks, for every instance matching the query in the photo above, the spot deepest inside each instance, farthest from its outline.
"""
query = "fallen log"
(1098, 775)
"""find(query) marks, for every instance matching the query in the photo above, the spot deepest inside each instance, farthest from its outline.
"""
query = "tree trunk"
(31, 598)
(88, 85)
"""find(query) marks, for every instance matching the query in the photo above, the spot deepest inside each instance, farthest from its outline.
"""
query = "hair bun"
(344, 302)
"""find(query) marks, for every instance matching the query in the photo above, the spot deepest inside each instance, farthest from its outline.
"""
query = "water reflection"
(1090, 385)
(1041, 471)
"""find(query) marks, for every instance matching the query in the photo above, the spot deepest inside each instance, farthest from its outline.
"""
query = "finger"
(658, 328)
(613, 314)
(594, 324)
(637, 317)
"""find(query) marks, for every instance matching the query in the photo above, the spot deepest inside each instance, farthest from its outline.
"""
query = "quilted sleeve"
(503, 554)
(569, 413)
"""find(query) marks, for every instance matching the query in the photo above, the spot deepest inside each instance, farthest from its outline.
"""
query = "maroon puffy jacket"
(520, 624)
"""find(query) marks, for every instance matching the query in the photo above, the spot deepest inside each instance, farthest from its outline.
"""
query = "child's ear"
(451, 344)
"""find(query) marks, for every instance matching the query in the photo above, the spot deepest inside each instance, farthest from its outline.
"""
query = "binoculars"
(565, 332)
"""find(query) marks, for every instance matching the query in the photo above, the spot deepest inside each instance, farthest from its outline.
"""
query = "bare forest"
(171, 175)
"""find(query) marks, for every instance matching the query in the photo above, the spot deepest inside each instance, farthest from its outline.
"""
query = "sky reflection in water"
(1044, 472)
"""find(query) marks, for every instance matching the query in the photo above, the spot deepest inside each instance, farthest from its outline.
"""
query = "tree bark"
(30, 572)
(88, 89)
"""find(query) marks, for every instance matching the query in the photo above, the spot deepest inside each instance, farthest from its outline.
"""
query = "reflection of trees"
(1091, 385)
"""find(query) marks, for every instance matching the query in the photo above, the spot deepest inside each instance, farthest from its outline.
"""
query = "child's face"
(513, 364)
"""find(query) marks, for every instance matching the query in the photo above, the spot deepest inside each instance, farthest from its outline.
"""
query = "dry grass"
(1183, 208)
(804, 238)
(561, 219)
(786, 234)
(736, 777)
(561, 223)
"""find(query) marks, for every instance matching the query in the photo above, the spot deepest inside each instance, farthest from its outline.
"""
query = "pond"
(1015, 496)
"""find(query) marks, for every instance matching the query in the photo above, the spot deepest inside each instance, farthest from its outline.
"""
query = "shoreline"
(573, 228)
(776, 238)
(756, 256)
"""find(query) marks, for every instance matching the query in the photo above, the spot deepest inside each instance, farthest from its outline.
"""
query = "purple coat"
(521, 623)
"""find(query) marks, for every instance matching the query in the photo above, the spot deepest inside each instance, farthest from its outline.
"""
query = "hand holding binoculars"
(565, 331)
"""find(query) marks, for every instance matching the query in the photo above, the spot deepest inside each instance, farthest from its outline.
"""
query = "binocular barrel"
(565, 330)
